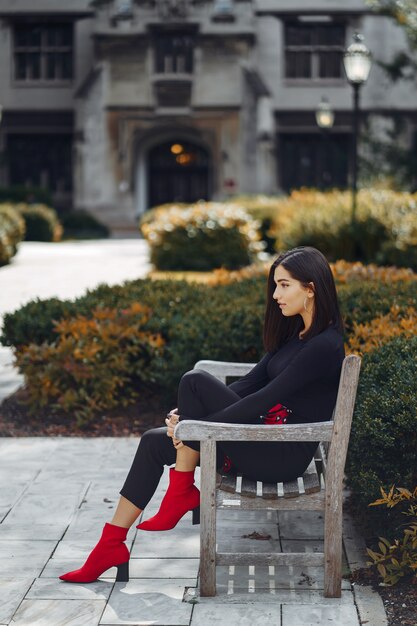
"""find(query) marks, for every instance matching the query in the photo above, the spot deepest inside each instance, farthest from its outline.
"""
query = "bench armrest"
(222, 369)
(196, 430)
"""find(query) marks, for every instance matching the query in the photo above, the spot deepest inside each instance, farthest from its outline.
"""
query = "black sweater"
(303, 375)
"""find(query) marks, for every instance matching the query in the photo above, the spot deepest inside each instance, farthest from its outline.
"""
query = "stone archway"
(178, 171)
(171, 166)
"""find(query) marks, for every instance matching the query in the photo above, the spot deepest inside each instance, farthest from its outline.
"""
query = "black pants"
(199, 394)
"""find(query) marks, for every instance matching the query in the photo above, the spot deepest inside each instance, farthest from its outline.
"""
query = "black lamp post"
(357, 61)
(324, 119)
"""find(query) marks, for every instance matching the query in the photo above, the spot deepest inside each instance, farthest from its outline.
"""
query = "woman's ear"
(311, 290)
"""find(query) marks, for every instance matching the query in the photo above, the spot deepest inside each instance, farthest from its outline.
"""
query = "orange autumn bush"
(95, 363)
(344, 272)
(398, 322)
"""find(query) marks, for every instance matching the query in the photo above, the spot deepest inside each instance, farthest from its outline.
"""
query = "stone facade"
(177, 100)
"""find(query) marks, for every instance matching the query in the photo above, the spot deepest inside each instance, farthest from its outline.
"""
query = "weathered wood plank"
(295, 559)
(208, 519)
(222, 369)
(307, 502)
(228, 483)
(291, 489)
(248, 488)
(196, 430)
(311, 478)
(334, 476)
(269, 491)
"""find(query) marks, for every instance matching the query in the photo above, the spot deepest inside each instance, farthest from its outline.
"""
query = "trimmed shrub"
(383, 442)
(19, 194)
(94, 364)
(365, 292)
(83, 225)
(363, 301)
(12, 231)
(201, 237)
(263, 209)
(385, 230)
(194, 320)
(41, 222)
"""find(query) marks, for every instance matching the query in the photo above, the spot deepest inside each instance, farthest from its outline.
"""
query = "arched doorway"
(178, 171)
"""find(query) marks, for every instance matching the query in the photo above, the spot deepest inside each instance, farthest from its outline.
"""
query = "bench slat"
(269, 491)
(295, 559)
(308, 502)
(248, 488)
(228, 483)
(291, 489)
(196, 430)
(311, 478)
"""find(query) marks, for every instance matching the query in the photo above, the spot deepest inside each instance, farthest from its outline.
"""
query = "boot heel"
(196, 516)
(123, 573)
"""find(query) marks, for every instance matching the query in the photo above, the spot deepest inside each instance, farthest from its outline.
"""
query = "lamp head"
(324, 114)
(357, 61)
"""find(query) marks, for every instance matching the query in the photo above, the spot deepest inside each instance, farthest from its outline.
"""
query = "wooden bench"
(319, 489)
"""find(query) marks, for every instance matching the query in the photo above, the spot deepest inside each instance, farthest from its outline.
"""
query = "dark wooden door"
(178, 172)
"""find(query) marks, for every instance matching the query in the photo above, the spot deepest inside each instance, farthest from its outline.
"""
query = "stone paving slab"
(152, 601)
(294, 525)
(38, 612)
(55, 589)
(319, 615)
(163, 588)
(242, 614)
(12, 592)
(279, 596)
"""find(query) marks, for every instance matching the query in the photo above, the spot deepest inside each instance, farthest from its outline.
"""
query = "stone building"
(119, 105)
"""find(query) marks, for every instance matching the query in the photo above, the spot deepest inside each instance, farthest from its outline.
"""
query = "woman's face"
(290, 294)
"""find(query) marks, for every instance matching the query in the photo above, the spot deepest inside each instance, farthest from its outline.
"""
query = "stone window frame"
(314, 51)
(44, 50)
(170, 56)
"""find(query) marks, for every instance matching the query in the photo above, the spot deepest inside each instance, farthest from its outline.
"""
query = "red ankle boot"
(182, 496)
(109, 551)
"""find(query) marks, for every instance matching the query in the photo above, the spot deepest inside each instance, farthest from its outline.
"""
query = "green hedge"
(224, 322)
(12, 231)
(82, 225)
(360, 302)
(384, 230)
(383, 443)
(17, 194)
(201, 237)
(42, 222)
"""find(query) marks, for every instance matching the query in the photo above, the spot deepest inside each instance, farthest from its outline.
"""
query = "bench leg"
(208, 519)
(333, 545)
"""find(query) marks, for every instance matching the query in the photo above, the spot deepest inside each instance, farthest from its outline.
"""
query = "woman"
(295, 382)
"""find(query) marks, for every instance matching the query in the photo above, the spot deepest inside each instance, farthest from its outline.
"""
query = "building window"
(43, 52)
(41, 161)
(314, 51)
(310, 160)
(174, 53)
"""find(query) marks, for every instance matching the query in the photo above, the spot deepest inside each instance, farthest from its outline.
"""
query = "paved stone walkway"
(56, 494)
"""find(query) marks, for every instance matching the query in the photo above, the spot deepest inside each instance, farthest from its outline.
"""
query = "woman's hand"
(171, 421)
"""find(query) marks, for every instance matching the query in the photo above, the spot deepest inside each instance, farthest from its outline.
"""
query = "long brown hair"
(306, 265)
